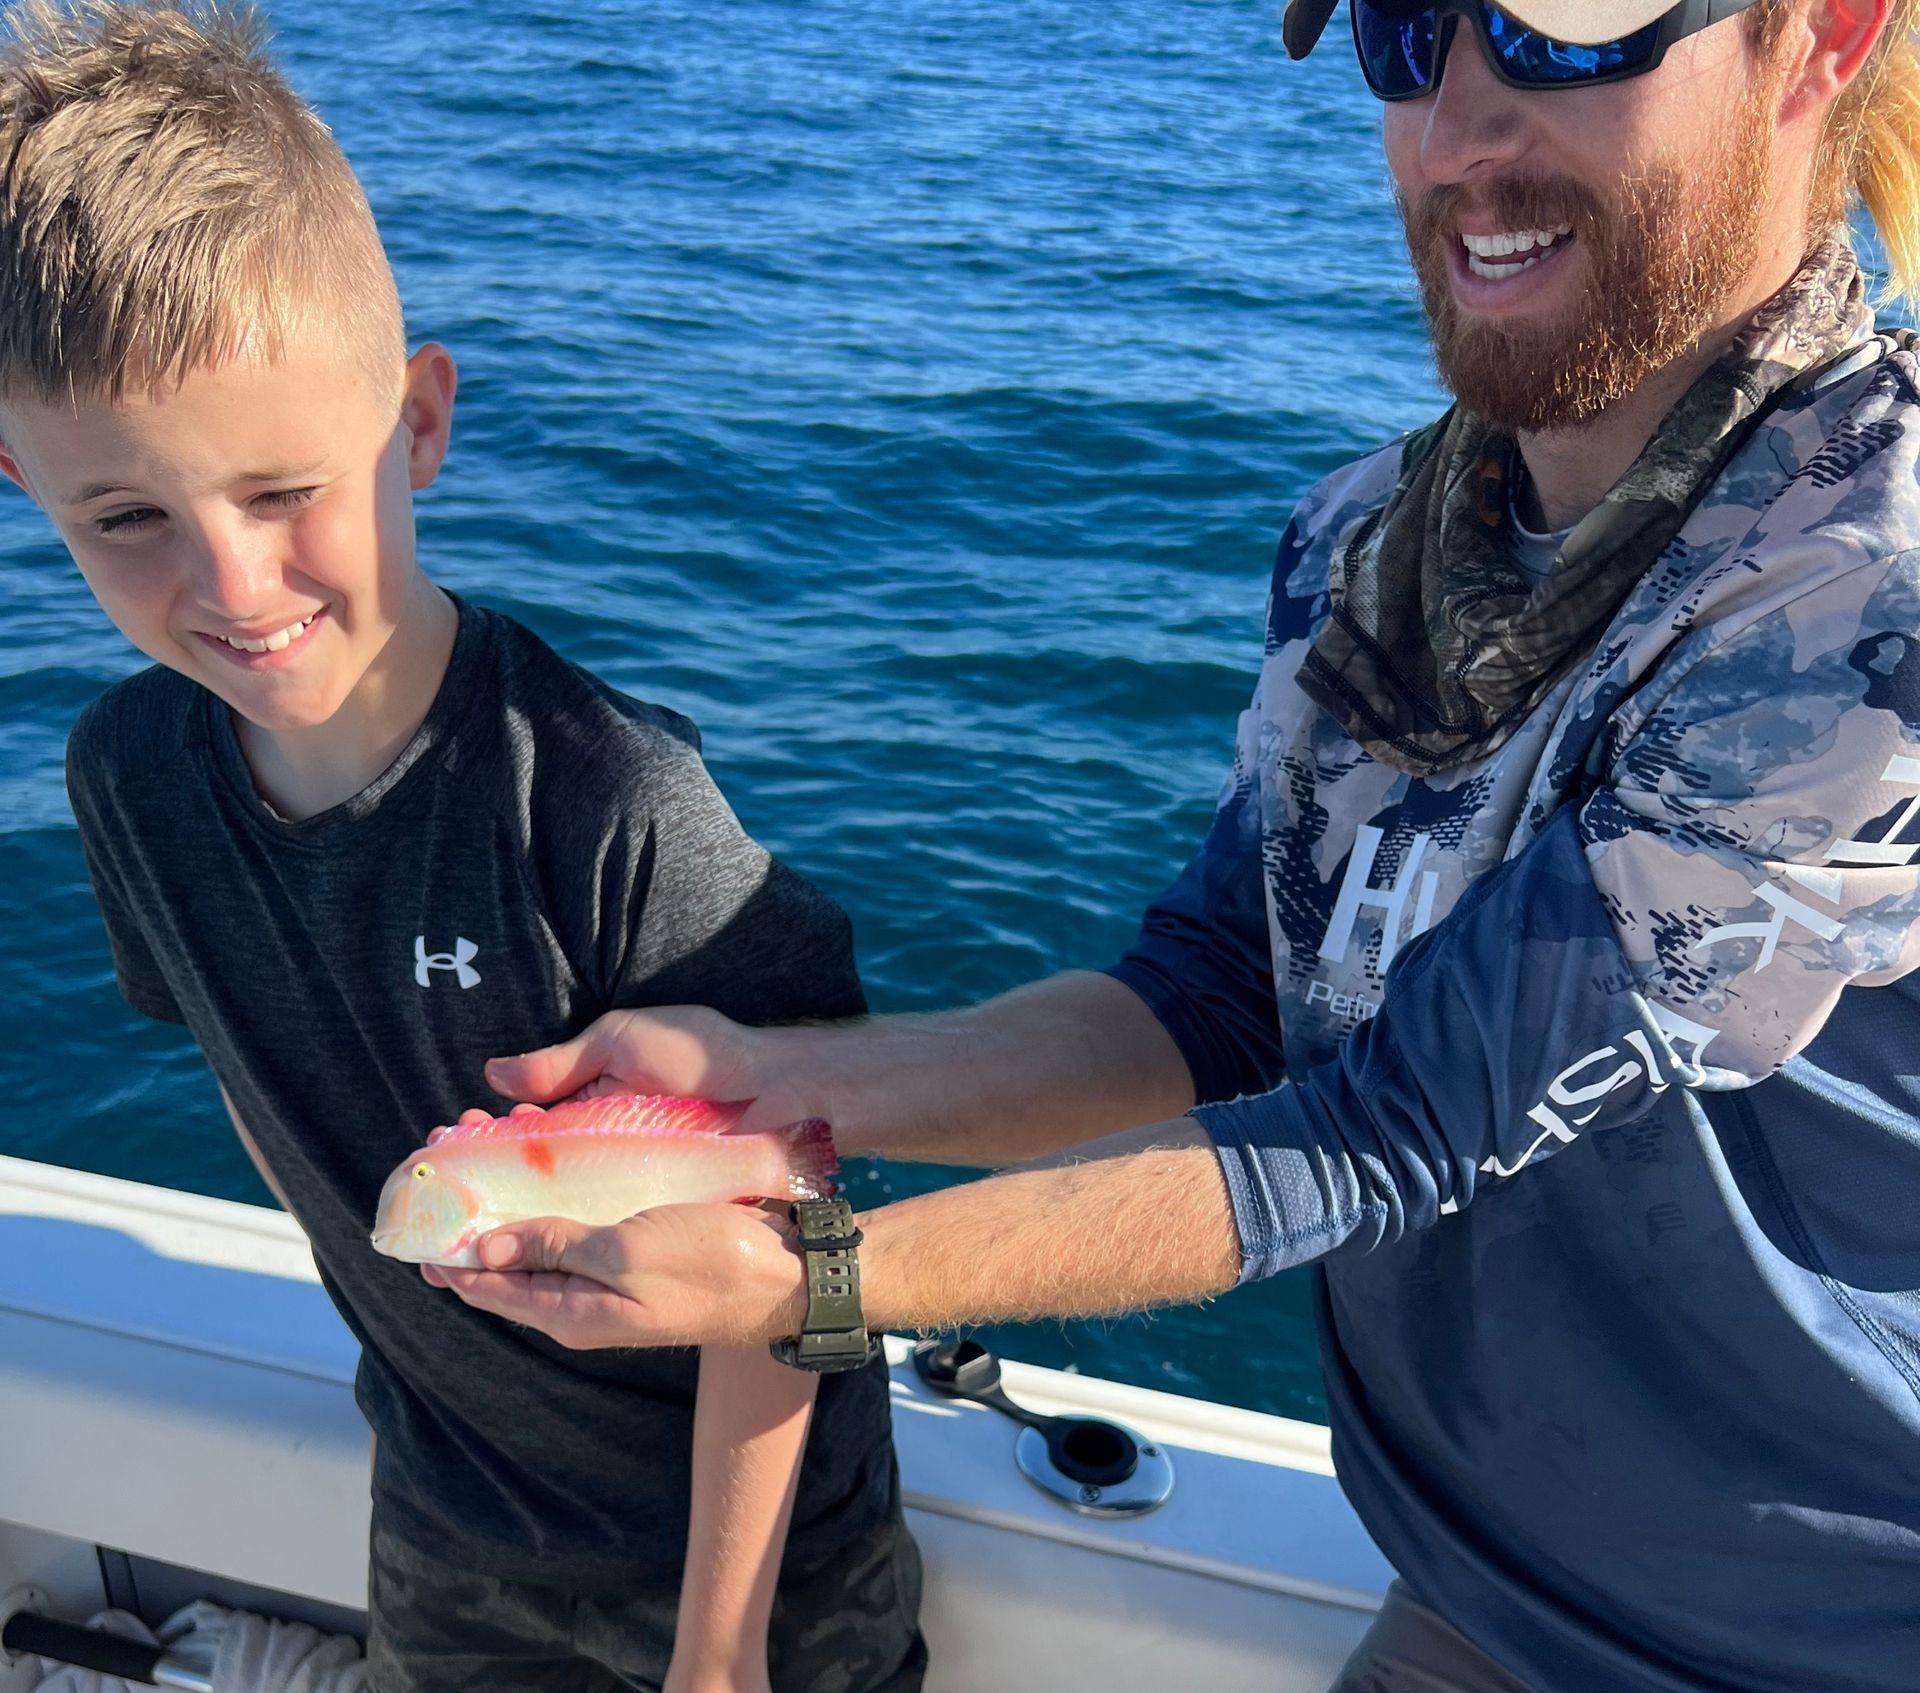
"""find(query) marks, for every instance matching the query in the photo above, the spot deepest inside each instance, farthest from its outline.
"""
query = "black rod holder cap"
(27, 1634)
(1090, 1465)
(1089, 1450)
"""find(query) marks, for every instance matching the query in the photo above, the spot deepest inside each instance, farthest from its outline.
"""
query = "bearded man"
(1546, 977)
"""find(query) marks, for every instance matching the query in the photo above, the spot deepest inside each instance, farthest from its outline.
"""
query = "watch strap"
(834, 1336)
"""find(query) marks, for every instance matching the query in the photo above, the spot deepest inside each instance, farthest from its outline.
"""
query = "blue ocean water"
(909, 390)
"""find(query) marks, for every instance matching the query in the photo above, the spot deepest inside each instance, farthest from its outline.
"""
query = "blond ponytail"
(1872, 150)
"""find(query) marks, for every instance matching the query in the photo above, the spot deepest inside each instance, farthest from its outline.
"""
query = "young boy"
(358, 836)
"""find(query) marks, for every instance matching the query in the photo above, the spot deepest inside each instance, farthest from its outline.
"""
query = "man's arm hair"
(1118, 1230)
(1036, 1071)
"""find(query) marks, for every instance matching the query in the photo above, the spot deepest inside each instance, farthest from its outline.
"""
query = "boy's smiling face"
(251, 527)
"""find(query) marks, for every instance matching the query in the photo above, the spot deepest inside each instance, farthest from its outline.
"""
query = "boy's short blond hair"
(169, 204)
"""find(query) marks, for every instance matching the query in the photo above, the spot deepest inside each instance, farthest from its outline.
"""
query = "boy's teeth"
(278, 640)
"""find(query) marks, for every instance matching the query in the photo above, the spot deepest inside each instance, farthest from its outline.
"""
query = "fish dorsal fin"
(658, 1114)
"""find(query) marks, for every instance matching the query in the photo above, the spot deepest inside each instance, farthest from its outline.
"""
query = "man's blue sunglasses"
(1403, 46)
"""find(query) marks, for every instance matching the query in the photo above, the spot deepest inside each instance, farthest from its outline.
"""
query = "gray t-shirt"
(544, 849)
(1536, 551)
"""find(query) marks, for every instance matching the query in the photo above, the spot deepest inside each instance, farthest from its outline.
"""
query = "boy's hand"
(678, 1275)
(687, 1051)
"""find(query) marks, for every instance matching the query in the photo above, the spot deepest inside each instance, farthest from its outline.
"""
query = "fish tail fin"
(812, 1164)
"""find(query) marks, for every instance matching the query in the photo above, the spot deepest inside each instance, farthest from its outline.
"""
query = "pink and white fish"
(595, 1161)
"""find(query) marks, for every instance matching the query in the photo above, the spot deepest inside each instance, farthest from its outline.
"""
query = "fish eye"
(422, 1171)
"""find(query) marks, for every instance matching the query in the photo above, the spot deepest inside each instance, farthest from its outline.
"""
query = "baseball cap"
(1583, 23)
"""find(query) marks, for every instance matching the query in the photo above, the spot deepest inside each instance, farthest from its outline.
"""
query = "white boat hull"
(175, 1388)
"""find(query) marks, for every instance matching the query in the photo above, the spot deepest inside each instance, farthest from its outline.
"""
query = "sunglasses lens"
(1539, 61)
(1396, 45)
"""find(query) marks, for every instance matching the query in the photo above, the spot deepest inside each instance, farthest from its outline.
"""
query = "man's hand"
(686, 1051)
(678, 1275)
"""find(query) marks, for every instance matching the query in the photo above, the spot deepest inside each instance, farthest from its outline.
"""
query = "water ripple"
(911, 391)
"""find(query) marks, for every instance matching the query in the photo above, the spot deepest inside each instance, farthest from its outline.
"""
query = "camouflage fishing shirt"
(1589, 1077)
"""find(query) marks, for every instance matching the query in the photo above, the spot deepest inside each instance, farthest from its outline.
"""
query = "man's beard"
(1663, 262)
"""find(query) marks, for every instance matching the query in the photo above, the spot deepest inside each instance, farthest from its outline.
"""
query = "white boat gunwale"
(145, 1331)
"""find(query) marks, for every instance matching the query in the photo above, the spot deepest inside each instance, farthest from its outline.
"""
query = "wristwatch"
(834, 1336)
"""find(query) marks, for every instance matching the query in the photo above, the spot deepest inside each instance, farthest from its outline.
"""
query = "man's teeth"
(273, 643)
(1483, 248)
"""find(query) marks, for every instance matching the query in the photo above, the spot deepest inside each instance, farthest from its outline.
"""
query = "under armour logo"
(459, 961)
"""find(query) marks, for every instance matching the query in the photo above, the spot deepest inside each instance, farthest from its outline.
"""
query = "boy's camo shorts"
(434, 1627)
(1410, 1649)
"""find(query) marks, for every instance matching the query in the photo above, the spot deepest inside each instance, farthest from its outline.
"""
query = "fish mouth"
(393, 1243)
(460, 1254)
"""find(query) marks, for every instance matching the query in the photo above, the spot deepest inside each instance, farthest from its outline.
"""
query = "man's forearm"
(1035, 1071)
(1116, 1232)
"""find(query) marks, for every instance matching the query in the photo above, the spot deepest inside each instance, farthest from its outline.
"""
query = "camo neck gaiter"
(1438, 646)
